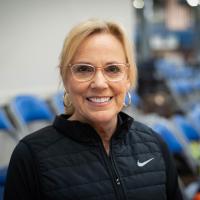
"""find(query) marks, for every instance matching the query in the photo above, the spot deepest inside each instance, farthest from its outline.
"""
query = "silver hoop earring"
(128, 100)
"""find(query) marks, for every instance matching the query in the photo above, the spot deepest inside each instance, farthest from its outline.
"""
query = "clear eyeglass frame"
(88, 77)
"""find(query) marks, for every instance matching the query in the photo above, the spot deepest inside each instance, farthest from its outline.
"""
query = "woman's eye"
(83, 68)
(113, 69)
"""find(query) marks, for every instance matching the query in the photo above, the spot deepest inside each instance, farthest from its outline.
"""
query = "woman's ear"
(65, 88)
(65, 85)
(128, 85)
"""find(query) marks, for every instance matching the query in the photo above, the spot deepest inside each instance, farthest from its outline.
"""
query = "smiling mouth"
(99, 99)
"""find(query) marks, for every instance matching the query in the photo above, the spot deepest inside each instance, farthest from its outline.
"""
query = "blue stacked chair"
(178, 146)
(186, 127)
(174, 145)
(3, 172)
(182, 81)
(135, 98)
(181, 87)
(57, 102)
(189, 131)
(30, 113)
(5, 123)
(169, 69)
(8, 142)
(197, 83)
(194, 117)
(183, 92)
(7, 139)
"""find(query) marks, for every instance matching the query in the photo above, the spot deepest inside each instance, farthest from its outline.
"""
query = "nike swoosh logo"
(142, 164)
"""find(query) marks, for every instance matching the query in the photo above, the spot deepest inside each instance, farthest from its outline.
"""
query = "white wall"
(32, 34)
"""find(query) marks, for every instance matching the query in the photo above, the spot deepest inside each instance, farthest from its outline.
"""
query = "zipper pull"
(117, 181)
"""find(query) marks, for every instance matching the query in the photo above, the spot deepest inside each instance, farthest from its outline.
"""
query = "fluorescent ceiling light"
(138, 4)
(193, 3)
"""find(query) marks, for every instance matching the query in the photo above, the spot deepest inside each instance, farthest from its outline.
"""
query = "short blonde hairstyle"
(82, 31)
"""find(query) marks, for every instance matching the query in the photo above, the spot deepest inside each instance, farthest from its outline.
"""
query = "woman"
(94, 151)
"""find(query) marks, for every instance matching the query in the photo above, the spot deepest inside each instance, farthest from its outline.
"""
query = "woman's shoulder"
(139, 126)
(42, 138)
(40, 133)
(142, 130)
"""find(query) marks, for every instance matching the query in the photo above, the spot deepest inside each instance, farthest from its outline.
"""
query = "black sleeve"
(22, 181)
(172, 186)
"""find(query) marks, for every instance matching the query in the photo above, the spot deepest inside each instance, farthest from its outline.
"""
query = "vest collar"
(84, 132)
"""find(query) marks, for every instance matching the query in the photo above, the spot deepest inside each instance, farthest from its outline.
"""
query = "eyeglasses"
(86, 72)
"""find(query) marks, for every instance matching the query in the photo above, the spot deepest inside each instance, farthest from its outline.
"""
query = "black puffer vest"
(73, 164)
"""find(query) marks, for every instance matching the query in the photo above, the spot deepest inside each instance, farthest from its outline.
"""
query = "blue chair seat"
(172, 142)
(29, 108)
(186, 128)
(3, 172)
(57, 102)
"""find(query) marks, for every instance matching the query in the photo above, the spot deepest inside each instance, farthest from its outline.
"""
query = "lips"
(99, 99)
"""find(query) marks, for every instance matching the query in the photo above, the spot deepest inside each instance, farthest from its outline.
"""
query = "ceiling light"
(193, 3)
(138, 4)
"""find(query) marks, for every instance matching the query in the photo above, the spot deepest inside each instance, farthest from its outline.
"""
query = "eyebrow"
(89, 63)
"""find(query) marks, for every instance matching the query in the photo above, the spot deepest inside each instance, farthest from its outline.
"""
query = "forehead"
(100, 45)
(101, 39)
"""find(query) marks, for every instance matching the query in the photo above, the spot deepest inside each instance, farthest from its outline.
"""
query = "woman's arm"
(172, 186)
(22, 181)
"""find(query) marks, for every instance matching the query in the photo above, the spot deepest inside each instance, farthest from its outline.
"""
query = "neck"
(105, 132)
(104, 129)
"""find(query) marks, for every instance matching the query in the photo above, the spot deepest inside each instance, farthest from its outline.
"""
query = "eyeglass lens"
(85, 72)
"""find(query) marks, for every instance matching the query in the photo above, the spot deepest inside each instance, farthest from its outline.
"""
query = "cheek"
(71, 85)
(120, 92)
(124, 86)
(77, 91)
(124, 89)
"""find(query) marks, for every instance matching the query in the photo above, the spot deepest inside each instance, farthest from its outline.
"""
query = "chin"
(103, 116)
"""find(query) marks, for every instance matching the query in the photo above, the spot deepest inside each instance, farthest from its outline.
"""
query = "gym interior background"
(166, 38)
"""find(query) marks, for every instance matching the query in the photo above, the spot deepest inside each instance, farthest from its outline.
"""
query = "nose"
(99, 80)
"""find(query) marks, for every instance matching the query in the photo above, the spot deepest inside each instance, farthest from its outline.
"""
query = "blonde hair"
(83, 30)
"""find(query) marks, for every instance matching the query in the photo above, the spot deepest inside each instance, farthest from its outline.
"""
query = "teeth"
(99, 100)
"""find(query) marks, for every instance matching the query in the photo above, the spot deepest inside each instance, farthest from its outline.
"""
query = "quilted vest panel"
(70, 170)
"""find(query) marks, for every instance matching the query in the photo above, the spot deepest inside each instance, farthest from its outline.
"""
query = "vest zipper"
(118, 181)
(110, 163)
